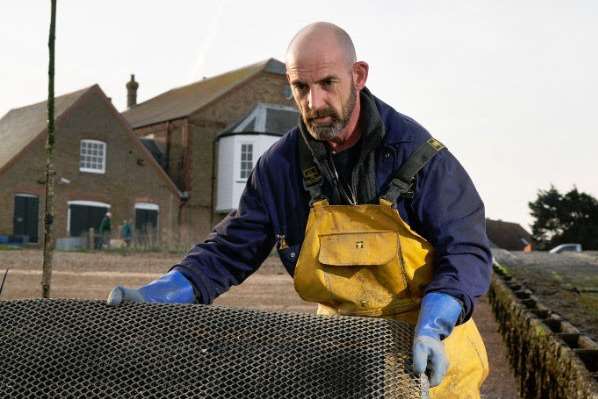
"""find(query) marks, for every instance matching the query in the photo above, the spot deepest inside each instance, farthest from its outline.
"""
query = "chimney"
(132, 87)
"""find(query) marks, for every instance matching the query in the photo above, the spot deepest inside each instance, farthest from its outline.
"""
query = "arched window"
(82, 215)
(146, 223)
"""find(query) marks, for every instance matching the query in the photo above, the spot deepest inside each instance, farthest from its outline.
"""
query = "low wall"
(551, 358)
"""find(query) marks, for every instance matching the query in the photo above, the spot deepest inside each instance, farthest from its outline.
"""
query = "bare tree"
(50, 172)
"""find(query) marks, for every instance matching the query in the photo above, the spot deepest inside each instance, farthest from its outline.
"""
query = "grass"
(10, 247)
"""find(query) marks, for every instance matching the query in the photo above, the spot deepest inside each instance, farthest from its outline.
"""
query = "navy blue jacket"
(446, 210)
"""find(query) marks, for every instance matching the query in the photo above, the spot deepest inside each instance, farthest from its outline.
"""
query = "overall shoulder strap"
(403, 184)
(312, 178)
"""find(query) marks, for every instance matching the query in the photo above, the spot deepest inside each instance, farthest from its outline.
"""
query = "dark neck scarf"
(363, 176)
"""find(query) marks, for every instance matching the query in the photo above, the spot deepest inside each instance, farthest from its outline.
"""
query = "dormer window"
(92, 156)
(246, 160)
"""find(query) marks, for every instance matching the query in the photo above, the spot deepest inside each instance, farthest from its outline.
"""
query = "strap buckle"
(311, 176)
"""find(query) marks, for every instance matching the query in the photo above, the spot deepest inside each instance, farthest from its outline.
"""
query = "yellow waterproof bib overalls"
(364, 260)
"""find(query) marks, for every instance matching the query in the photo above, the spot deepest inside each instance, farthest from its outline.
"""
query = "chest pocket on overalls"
(363, 268)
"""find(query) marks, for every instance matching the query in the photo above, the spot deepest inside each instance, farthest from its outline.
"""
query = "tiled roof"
(20, 126)
(264, 118)
(185, 100)
(280, 121)
(508, 235)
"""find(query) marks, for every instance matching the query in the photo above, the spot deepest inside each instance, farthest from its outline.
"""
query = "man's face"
(325, 94)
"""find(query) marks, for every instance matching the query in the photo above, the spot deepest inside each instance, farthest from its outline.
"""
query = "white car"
(566, 248)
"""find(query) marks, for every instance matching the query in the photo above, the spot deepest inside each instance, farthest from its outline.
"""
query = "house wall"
(230, 185)
(191, 148)
(24, 177)
(173, 139)
(129, 177)
(224, 195)
(205, 126)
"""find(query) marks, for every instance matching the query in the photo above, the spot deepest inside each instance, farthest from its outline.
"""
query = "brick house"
(185, 123)
(508, 235)
(100, 165)
(239, 147)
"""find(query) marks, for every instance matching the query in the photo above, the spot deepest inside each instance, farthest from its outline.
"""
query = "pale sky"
(511, 87)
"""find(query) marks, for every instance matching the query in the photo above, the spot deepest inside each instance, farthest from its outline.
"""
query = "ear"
(360, 74)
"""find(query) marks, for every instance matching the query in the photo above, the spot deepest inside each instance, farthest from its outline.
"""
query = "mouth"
(322, 120)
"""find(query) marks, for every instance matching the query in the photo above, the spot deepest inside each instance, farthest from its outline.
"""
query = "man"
(105, 230)
(126, 233)
(407, 242)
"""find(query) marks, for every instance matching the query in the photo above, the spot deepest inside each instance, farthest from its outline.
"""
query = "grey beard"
(326, 133)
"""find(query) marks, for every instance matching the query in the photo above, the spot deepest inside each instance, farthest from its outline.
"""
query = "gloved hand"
(172, 287)
(437, 317)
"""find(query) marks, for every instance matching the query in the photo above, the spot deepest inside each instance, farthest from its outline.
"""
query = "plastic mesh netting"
(87, 349)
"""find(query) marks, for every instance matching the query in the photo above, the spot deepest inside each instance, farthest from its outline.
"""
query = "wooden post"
(3, 280)
(91, 239)
(50, 172)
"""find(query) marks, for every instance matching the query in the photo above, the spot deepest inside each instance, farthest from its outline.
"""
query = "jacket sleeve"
(236, 247)
(451, 217)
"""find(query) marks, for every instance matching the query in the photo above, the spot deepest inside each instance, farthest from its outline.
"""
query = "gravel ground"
(148, 262)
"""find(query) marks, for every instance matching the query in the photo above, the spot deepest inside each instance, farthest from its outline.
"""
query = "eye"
(328, 83)
(300, 87)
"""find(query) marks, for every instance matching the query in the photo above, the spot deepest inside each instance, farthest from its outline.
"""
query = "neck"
(350, 134)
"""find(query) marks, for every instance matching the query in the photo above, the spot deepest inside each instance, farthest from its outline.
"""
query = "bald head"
(319, 39)
(325, 80)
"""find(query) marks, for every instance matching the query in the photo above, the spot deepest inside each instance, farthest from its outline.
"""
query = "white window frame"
(241, 161)
(104, 146)
(83, 203)
(148, 206)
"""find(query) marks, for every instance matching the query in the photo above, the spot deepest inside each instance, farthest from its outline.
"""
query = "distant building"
(509, 236)
(242, 144)
(198, 138)
(176, 163)
(100, 166)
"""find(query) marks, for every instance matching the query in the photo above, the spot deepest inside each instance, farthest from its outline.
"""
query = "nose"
(315, 99)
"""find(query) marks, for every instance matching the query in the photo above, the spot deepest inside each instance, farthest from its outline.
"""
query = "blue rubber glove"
(438, 316)
(172, 287)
